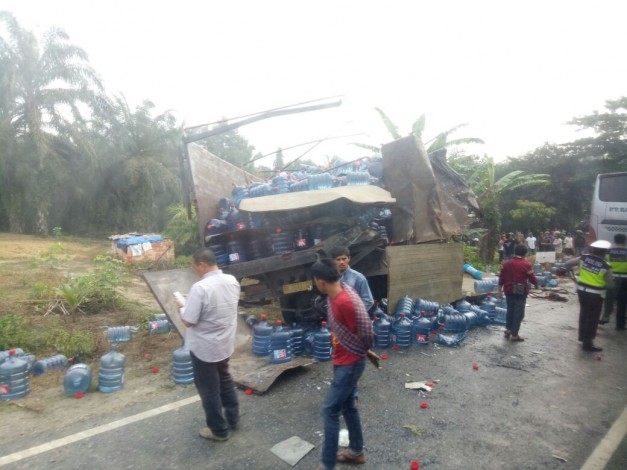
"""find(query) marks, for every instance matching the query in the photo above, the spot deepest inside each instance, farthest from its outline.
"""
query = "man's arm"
(190, 313)
(363, 289)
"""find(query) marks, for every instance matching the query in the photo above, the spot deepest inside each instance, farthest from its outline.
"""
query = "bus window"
(613, 188)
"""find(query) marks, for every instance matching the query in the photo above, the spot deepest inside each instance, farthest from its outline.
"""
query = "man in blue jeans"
(352, 337)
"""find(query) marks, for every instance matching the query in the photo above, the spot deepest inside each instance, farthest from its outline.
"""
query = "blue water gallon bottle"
(426, 308)
(404, 306)
(182, 368)
(4, 355)
(111, 371)
(462, 306)
(261, 337)
(120, 334)
(302, 240)
(382, 332)
(159, 326)
(500, 316)
(279, 344)
(475, 273)
(77, 379)
(13, 377)
(297, 340)
(322, 348)
(281, 241)
(472, 319)
(402, 332)
(235, 250)
(159, 316)
(58, 361)
(421, 329)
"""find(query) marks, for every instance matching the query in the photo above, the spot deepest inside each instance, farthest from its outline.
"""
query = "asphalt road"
(541, 404)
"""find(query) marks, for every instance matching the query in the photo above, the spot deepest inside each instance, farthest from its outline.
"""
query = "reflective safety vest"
(617, 258)
(592, 270)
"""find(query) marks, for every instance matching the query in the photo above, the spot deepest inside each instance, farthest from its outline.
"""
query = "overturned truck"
(399, 231)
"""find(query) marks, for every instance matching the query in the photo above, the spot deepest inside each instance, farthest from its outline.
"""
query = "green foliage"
(61, 338)
(89, 293)
(13, 332)
(471, 256)
(181, 230)
(532, 216)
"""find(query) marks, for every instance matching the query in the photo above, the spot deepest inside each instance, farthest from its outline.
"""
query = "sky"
(514, 72)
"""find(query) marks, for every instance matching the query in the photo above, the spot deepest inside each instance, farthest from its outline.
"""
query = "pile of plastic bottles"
(416, 321)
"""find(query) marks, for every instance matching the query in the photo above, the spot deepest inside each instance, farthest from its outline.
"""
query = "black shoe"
(591, 348)
(603, 322)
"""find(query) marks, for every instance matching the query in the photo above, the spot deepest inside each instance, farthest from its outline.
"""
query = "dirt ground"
(25, 260)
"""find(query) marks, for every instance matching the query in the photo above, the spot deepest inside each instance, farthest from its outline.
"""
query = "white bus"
(609, 207)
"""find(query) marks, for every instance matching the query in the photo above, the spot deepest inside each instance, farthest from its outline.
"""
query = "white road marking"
(79, 436)
(606, 448)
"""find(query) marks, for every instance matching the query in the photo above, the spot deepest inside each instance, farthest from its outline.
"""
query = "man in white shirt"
(531, 243)
(210, 315)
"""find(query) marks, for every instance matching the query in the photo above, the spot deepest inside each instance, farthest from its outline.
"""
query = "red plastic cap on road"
(155, 370)
(79, 395)
(475, 366)
(423, 405)
(414, 465)
(384, 356)
(249, 391)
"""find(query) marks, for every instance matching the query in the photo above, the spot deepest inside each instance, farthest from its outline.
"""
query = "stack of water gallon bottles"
(17, 365)
(416, 321)
(547, 278)
(281, 343)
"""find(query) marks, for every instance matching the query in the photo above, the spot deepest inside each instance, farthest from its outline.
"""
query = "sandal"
(507, 334)
(517, 339)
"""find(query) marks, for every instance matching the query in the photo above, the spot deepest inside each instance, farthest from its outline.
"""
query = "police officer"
(617, 258)
(595, 276)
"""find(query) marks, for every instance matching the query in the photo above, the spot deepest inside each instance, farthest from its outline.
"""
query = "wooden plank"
(430, 271)
(271, 263)
(213, 179)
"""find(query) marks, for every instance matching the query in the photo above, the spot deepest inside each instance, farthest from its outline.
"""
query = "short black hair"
(340, 251)
(620, 238)
(520, 250)
(204, 255)
(325, 269)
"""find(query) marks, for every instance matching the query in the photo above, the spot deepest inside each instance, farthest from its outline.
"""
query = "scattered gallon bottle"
(537, 268)
(358, 178)
(159, 316)
(280, 184)
(258, 248)
(58, 361)
(500, 315)
(322, 349)
(4, 355)
(222, 255)
(475, 273)
(235, 250)
(483, 317)
(302, 241)
(182, 368)
(13, 377)
(462, 306)
(111, 371)
(120, 334)
(421, 329)
(402, 332)
(251, 320)
(159, 326)
(281, 241)
(297, 340)
(425, 307)
(404, 306)
(381, 327)
(77, 379)
(485, 286)
(261, 337)
(472, 319)
(280, 344)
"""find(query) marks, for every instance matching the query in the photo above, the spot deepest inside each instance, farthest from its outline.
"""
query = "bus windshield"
(613, 188)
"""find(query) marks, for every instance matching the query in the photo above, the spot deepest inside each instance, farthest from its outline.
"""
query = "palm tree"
(138, 165)
(43, 89)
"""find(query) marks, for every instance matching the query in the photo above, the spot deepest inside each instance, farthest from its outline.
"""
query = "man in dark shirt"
(508, 247)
